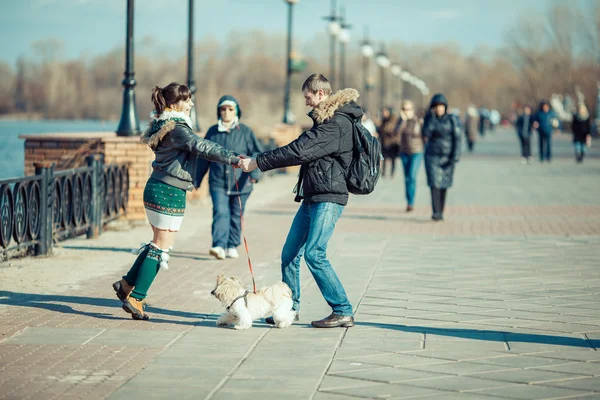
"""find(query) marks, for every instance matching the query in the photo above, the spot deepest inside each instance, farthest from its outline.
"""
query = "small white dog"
(243, 306)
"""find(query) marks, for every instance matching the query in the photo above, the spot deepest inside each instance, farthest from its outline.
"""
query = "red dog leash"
(237, 187)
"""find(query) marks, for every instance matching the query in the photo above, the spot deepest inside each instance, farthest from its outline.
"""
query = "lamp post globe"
(334, 28)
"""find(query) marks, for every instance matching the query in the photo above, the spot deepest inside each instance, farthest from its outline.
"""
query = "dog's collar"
(237, 298)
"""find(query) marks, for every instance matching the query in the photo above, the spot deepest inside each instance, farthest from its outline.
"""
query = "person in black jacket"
(230, 133)
(582, 128)
(442, 133)
(324, 153)
(524, 127)
(176, 149)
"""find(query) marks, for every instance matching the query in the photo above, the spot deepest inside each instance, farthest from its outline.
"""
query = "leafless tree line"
(543, 54)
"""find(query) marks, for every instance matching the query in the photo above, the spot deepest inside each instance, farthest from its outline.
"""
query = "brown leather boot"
(334, 321)
(136, 307)
(123, 289)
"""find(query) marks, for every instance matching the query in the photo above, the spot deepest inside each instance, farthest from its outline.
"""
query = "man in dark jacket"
(524, 127)
(545, 122)
(226, 196)
(325, 153)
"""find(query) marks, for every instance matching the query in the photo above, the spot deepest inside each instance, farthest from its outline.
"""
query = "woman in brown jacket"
(411, 150)
(389, 137)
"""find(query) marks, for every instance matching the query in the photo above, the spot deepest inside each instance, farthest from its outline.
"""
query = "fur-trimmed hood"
(342, 101)
(161, 125)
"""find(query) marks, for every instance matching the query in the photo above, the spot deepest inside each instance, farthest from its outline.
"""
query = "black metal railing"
(38, 210)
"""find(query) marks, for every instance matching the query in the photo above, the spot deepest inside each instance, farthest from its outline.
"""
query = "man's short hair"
(317, 82)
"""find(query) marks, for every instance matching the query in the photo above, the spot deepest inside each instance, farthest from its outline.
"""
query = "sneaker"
(218, 252)
(409, 208)
(529, 160)
(523, 160)
(232, 253)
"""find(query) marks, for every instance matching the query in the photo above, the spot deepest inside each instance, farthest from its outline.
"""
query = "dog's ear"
(220, 278)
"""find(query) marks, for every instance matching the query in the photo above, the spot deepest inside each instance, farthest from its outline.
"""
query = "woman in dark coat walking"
(230, 133)
(390, 139)
(442, 133)
(581, 128)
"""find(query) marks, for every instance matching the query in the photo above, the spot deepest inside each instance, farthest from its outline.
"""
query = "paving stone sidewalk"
(501, 300)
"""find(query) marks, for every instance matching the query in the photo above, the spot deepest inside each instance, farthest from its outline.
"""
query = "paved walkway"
(501, 300)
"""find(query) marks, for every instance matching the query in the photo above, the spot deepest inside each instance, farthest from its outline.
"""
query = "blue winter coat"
(544, 119)
(240, 140)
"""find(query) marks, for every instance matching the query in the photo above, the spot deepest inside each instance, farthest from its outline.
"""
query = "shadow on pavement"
(404, 217)
(55, 303)
(493, 336)
(133, 251)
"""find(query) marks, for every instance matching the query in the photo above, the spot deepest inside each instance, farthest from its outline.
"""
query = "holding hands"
(248, 164)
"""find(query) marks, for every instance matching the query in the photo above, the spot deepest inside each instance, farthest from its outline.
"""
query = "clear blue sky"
(94, 27)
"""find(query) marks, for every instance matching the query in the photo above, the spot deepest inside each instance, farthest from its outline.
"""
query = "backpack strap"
(356, 139)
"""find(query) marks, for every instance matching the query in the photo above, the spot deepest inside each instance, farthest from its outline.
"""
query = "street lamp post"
(384, 62)
(287, 116)
(344, 37)
(190, 81)
(367, 52)
(129, 124)
(334, 30)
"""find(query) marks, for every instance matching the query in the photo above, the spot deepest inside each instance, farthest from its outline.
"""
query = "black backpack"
(365, 168)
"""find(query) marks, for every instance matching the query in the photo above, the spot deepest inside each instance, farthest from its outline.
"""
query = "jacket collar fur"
(327, 108)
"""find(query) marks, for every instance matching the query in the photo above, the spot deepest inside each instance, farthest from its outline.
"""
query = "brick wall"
(60, 148)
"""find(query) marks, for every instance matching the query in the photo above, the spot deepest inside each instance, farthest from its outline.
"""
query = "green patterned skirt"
(164, 204)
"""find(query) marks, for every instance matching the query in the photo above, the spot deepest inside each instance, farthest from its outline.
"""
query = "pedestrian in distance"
(411, 150)
(582, 129)
(471, 126)
(390, 140)
(546, 122)
(442, 152)
(524, 127)
(229, 187)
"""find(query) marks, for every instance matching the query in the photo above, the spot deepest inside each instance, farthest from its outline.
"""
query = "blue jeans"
(226, 225)
(411, 164)
(309, 234)
(579, 149)
(545, 142)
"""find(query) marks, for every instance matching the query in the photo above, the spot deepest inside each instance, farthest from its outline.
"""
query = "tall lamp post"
(190, 81)
(334, 29)
(367, 52)
(344, 37)
(129, 124)
(288, 117)
(384, 62)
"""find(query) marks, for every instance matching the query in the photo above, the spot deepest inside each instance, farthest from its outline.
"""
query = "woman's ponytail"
(159, 100)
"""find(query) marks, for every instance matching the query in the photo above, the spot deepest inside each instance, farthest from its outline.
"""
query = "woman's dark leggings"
(438, 201)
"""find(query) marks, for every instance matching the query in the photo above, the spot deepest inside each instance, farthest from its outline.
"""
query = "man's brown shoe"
(334, 321)
(123, 289)
(136, 307)
(271, 321)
